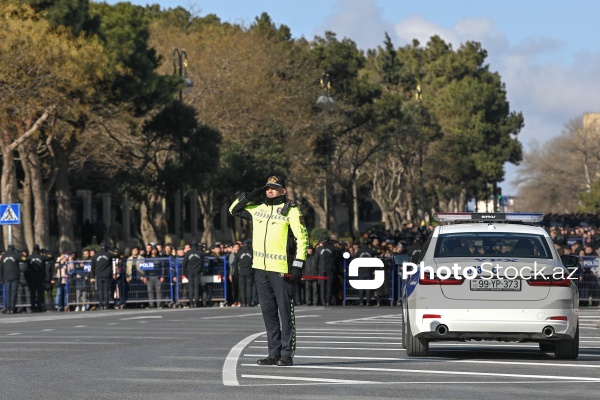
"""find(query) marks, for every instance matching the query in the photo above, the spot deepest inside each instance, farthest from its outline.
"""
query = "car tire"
(548, 347)
(568, 349)
(415, 347)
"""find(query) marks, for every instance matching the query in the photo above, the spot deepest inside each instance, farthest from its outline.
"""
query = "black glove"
(256, 193)
(297, 270)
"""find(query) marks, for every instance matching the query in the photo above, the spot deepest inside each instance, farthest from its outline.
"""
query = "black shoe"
(285, 361)
(271, 360)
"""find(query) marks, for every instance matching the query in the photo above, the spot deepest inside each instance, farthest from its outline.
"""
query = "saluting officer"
(279, 241)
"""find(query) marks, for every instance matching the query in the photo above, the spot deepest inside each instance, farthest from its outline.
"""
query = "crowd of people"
(142, 277)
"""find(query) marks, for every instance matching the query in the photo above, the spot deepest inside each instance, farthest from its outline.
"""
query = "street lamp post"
(324, 101)
(180, 63)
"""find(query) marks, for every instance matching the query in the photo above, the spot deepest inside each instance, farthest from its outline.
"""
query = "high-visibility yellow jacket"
(277, 239)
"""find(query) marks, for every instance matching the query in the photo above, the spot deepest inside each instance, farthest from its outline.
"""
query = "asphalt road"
(211, 353)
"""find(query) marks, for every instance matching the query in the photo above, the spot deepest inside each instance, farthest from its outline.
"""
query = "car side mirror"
(569, 261)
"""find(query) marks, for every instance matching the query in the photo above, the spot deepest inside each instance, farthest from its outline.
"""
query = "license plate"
(509, 285)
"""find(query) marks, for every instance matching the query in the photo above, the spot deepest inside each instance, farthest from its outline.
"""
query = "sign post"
(10, 214)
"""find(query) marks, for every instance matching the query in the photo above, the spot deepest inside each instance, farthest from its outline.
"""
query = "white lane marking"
(335, 348)
(319, 380)
(12, 334)
(368, 320)
(100, 337)
(436, 372)
(233, 316)
(339, 337)
(47, 330)
(113, 323)
(455, 360)
(541, 364)
(337, 358)
(27, 342)
(144, 317)
(80, 326)
(230, 364)
(354, 331)
(327, 341)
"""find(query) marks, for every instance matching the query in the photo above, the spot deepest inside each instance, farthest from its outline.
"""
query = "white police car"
(497, 277)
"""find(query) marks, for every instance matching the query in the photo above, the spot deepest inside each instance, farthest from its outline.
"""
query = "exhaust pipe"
(548, 331)
(441, 330)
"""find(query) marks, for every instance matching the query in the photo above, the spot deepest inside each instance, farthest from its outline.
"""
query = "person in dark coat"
(243, 261)
(35, 277)
(326, 257)
(193, 262)
(9, 275)
(102, 270)
(48, 279)
(311, 285)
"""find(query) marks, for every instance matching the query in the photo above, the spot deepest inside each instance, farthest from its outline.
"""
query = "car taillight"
(549, 282)
(449, 281)
(431, 316)
(561, 282)
(428, 281)
(539, 282)
(559, 318)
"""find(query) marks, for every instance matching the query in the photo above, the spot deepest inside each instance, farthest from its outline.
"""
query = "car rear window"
(492, 245)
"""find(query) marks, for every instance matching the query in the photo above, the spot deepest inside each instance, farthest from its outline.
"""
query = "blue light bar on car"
(529, 218)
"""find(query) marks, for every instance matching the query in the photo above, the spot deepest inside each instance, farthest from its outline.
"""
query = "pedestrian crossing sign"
(10, 214)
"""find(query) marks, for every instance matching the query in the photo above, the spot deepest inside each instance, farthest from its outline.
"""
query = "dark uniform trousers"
(195, 289)
(276, 296)
(12, 288)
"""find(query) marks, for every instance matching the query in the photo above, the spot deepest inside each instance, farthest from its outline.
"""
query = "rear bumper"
(498, 330)
(502, 325)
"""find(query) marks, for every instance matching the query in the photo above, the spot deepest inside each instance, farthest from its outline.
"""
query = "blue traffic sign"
(10, 214)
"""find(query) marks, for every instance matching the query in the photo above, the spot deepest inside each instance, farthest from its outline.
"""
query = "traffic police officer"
(279, 236)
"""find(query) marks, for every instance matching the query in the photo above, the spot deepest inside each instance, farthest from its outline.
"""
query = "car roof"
(485, 227)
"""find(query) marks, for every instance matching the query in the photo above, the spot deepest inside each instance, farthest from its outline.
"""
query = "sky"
(546, 51)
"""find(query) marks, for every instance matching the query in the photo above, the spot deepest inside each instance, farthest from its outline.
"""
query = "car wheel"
(548, 347)
(568, 349)
(415, 347)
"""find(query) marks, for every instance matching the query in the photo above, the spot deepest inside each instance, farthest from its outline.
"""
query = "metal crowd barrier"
(213, 282)
(588, 280)
(82, 294)
(173, 292)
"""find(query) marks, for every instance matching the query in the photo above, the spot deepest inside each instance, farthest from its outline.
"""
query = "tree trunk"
(152, 219)
(64, 208)
(8, 185)
(41, 219)
(355, 222)
(320, 213)
(26, 196)
(206, 202)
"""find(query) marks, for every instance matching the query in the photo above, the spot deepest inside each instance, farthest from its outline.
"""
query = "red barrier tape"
(308, 277)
